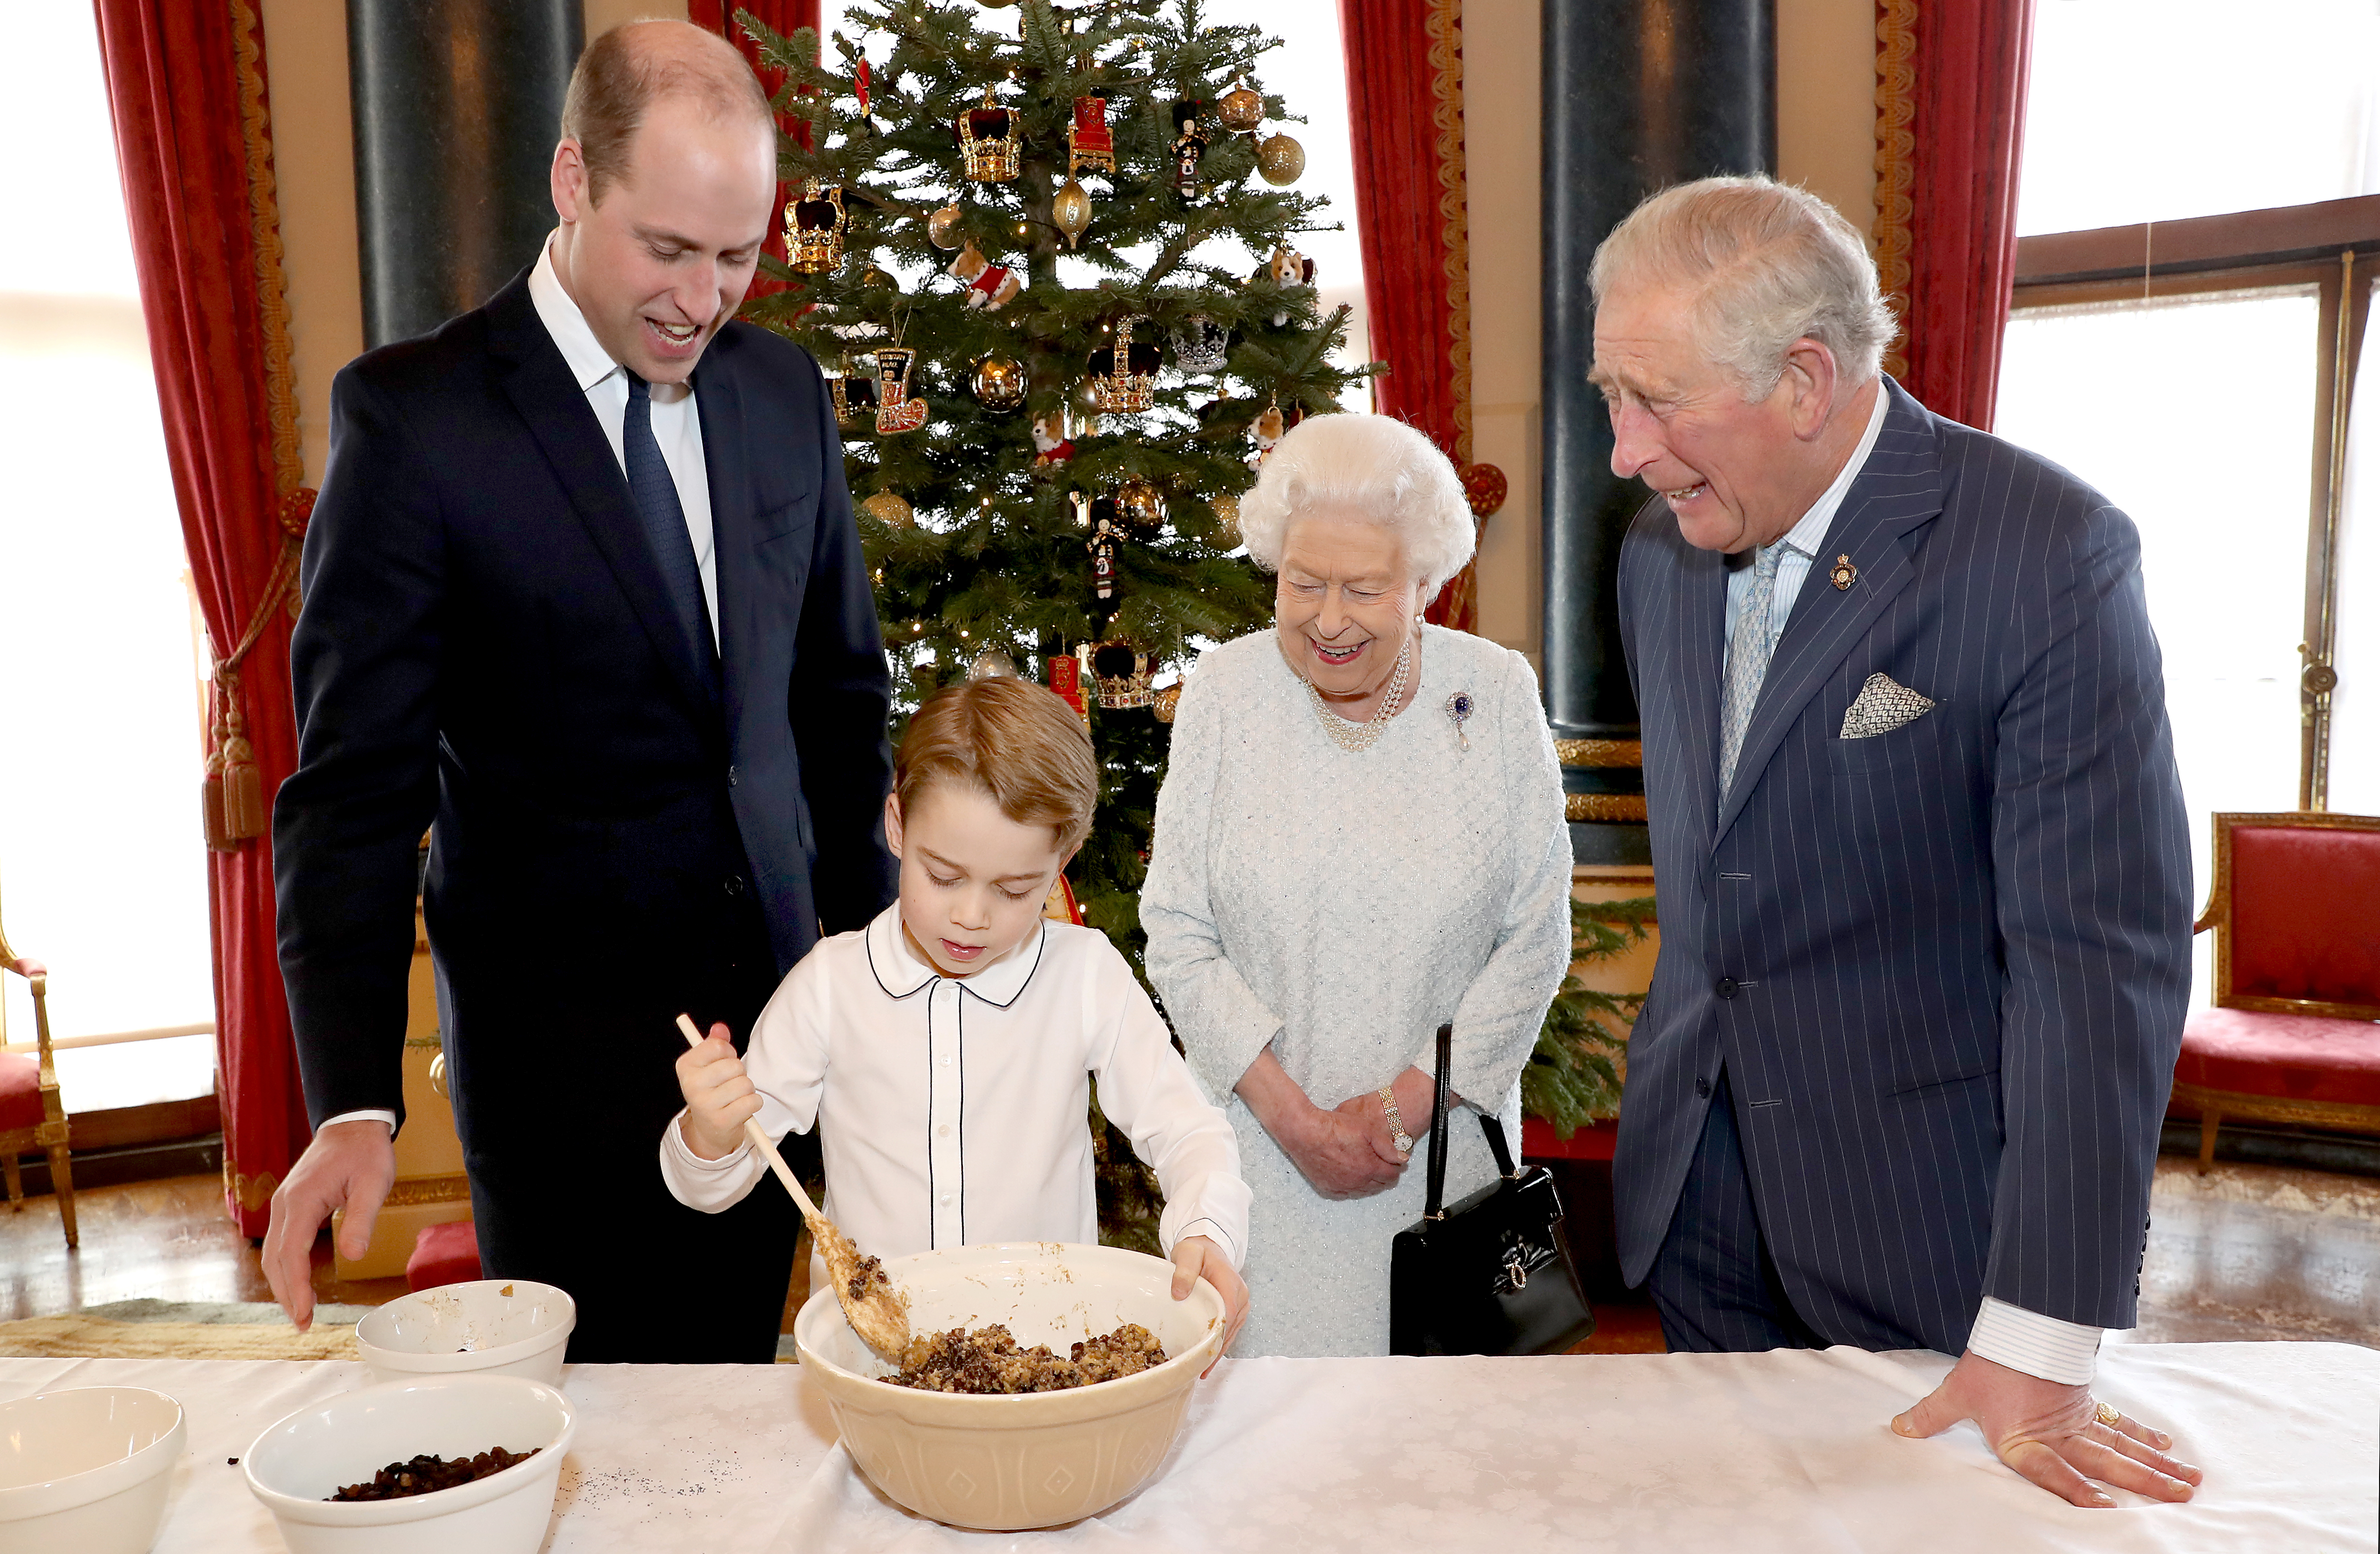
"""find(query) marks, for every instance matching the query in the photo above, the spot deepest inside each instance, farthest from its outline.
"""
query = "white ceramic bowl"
(346, 1439)
(85, 1470)
(1034, 1459)
(498, 1326)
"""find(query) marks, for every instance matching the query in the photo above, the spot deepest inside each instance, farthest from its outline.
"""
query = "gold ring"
(2108, 1415)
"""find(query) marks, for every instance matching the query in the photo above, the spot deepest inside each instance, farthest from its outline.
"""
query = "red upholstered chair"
(2291, 1038)
(30, 1115)
(447, 1254)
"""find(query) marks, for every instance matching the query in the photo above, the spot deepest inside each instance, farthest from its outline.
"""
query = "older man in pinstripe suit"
(1919, 842)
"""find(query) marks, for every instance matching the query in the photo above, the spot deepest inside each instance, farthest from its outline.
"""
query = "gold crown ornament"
(1123, 672)
(1200, 345)
(814, 227)
(855, 398)
(1123, 376)
(991, 139)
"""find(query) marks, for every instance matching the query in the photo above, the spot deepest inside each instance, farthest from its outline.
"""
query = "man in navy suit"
(583, 586)
(1919, 840)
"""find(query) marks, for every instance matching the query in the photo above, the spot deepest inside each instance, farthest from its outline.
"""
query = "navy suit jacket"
(487, 639)
(1945, 968)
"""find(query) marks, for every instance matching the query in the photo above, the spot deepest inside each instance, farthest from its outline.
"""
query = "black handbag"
(1493, 1274)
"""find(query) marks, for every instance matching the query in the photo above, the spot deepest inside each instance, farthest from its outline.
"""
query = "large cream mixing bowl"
(1027, 1460)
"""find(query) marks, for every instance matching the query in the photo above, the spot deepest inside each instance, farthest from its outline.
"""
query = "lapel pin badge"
(1845, 574)
(1458, 709)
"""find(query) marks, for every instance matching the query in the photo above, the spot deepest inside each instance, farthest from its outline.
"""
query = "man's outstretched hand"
(2051, 1433)
(349, 1166)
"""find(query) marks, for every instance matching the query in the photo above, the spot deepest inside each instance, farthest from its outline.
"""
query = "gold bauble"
(943, 228)
(1139, 503)
(1226, 519)
(1240, 110)
(877, 280)
(1085, 409)
(991, 664)
(1279, 159)
(1166, 701)
(998, 382)
(1070, 208)
(889, 509)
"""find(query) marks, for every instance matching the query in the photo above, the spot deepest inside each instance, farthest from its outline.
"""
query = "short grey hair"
(1768, 264)
(1374, 467)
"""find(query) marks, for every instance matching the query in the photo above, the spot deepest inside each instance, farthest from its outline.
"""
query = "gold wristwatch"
(1403, 1140)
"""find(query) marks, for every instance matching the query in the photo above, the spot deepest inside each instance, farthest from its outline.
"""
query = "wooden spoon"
(876, 1312)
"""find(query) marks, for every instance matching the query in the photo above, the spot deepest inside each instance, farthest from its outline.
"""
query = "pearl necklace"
(1355, 736)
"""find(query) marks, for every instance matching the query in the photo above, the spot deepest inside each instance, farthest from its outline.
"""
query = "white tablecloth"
(1672, 1453)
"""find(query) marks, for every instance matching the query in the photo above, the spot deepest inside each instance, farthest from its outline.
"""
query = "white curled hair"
(1767, 264)
(1375, 467)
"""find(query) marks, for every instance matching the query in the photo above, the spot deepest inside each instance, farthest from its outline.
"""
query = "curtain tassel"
(232, 809)
(210, 788)
(243, 787)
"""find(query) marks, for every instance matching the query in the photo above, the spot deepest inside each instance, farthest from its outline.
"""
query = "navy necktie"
(664, 519)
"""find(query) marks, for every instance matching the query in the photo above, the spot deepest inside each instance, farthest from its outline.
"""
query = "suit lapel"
(1702, 631)
(549, 400)
(720, 408)
(1898, 492)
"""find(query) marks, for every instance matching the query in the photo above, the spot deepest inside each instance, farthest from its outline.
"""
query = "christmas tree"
(1050, 252)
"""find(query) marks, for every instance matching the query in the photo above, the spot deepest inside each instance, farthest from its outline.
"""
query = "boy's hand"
(719, 1096)
(1195, 1257)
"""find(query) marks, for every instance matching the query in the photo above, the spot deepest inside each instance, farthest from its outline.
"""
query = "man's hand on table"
(1197, 1258)
(349, 1166)
(2051, 1432)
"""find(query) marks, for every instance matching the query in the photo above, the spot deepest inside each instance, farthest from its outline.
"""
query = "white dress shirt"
(955, 1109)
(677, 427)
(2009, 1335)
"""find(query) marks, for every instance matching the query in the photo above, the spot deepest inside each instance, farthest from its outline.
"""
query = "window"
(103, 874)
(2194, 271)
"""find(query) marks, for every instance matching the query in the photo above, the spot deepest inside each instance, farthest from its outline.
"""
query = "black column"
(1639, 94)
(456, 105)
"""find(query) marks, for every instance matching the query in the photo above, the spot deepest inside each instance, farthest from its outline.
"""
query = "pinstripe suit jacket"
(1945, 967)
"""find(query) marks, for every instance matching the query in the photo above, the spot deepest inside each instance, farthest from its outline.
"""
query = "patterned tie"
(657, 503)
(1747, 663)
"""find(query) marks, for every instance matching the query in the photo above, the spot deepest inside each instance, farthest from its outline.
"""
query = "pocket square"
(1884, 704)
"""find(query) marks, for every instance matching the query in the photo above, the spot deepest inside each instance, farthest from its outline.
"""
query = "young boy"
(945, 1047)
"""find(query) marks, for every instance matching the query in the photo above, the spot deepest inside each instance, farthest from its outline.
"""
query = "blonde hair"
(1375, 467)
(625, 70)
(1015, 741)
(1767, 263)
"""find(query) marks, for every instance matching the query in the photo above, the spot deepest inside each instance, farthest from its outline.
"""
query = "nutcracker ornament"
(896, 409)
(1189, 150)
(991, 139)
(1104, 543)
(814, 224)
(989, 287)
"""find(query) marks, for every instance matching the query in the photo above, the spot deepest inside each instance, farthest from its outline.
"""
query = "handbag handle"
(1434, 1208)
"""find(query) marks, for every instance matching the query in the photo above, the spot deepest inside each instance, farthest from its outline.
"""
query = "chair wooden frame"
(54, 1132)
(2214, 1105)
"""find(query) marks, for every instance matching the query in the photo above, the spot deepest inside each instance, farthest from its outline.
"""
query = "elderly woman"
(1360, 838)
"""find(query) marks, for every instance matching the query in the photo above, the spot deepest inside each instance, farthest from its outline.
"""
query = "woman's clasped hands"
(1348, 1151)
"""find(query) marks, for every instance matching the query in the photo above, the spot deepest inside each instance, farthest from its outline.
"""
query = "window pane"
(2154, 110)
(2211, 455)
(102, 871)
(2355, 705)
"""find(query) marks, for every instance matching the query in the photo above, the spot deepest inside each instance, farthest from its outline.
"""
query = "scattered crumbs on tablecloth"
(691, 1479)
(231, 1461)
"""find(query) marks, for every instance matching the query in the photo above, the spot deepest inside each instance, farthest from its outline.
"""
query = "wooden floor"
(2247, 1252)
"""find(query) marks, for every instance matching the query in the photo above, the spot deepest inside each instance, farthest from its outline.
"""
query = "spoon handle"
(761, 1140)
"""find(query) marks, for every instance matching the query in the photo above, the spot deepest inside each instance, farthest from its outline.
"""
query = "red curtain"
(1950, 130)
(783, 17)
(186, 86)
(1404, 96)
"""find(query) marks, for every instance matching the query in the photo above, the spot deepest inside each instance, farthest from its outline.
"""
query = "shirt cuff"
(1213, 1232)
(2053, 1350)
(374, 1113)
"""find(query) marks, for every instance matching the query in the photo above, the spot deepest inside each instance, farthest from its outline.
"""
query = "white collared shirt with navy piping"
(952, 1110)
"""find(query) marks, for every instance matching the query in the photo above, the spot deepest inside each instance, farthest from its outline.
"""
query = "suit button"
(735, 884)
(1726, 987)
(1702, 1088)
